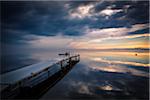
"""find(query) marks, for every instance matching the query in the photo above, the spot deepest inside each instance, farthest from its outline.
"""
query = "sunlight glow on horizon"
(122, 42)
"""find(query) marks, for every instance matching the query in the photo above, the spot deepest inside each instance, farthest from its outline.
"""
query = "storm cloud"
(22, 22)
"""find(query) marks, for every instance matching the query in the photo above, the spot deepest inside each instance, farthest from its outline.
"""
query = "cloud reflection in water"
(101, 75)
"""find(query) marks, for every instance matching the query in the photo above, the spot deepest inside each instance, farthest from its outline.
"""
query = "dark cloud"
(34, 17)
(75, 4)
(146, 30)
(134, 11)
(47, 18)
(102, 6)
(20, 19)
(139, 12)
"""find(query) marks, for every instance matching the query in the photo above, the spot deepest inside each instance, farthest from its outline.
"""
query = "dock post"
(61, 64)
(69, 61)
(48, 73)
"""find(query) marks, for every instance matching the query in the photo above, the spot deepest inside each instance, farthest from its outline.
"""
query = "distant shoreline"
(116, 50)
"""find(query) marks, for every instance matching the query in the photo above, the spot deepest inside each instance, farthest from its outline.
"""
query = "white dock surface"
(24, 72)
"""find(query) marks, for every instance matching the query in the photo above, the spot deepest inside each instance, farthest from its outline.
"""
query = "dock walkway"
(23, 82)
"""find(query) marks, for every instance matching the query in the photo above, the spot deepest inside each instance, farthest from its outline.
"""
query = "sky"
(52, 25)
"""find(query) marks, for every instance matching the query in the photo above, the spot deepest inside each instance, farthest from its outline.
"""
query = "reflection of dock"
(36, 83)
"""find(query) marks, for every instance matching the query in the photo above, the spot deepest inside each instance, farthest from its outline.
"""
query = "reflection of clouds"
(82, 87)
(87, 79)
(93, 88)
(90, 78)
(121, 62)
(120, 69)
(127, 56)
(107, 87)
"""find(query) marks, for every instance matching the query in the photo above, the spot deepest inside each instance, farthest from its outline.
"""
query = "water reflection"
(104, 75)
(120, 62)
(13, 62)
(101, 75)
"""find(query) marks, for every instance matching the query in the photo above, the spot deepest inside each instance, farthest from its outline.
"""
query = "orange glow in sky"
(132, 41)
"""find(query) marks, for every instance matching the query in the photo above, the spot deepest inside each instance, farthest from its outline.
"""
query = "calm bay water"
(99, 75)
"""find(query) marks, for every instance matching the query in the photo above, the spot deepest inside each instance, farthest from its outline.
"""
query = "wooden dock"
(35, 85)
